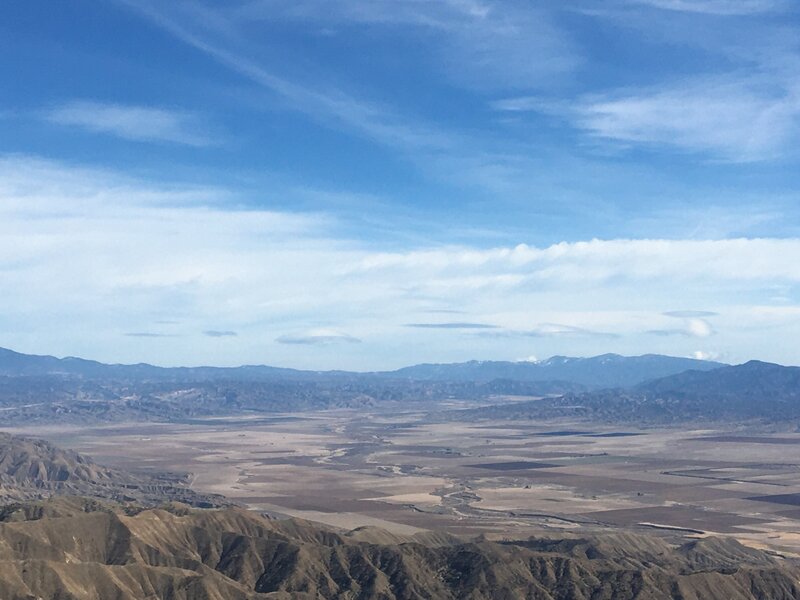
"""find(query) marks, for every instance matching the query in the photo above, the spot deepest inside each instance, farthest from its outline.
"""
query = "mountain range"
(751, 391)
(607, 370)
(609, 387)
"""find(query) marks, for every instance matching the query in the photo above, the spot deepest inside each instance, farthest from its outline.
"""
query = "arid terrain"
(73, 549)
(408, 472)
(134, 481)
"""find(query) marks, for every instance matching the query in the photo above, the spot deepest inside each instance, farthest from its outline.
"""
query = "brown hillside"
(33, 469)
(73, 549)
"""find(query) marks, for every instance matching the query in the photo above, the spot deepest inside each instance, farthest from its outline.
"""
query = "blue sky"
(350, 184)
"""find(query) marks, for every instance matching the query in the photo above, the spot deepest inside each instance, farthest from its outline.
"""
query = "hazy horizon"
(223, 365)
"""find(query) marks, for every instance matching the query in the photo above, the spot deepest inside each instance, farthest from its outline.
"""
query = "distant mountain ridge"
(754, 378)
(606, 370)
(16, 364)
(45, 389)
(751, 391)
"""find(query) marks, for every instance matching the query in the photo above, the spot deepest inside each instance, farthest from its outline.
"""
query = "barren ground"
(398, 471)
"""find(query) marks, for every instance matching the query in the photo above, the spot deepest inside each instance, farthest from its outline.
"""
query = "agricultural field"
(409, 471)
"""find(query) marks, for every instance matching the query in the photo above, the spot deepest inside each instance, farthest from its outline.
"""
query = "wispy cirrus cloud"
(200, 28)
(505, 46)
(149, 334)
(690, 314)
(696, 328)
(550, 330)
(560, 329)
(441, 16)
(740, 120)
(741, 105)
(479, 44)
(716, 7)
(318, 337)
(737, 119)
(130, 122)
(455, 325)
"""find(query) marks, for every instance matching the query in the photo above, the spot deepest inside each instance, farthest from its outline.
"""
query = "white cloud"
(689, 314)
(443, 15)
(732, 119)
(136, 123)
(699, 328)
(695, 324)
(547, 330)
(739, 120)
(317, 337)
(529, 359)
(717, 7)
(451, 325)
(87, 256)
(598, 261)
(742, 105)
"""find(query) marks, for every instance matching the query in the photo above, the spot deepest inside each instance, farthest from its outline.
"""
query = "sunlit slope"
(70, 550)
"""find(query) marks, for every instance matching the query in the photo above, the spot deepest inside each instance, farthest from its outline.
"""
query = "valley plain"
(407, 470)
